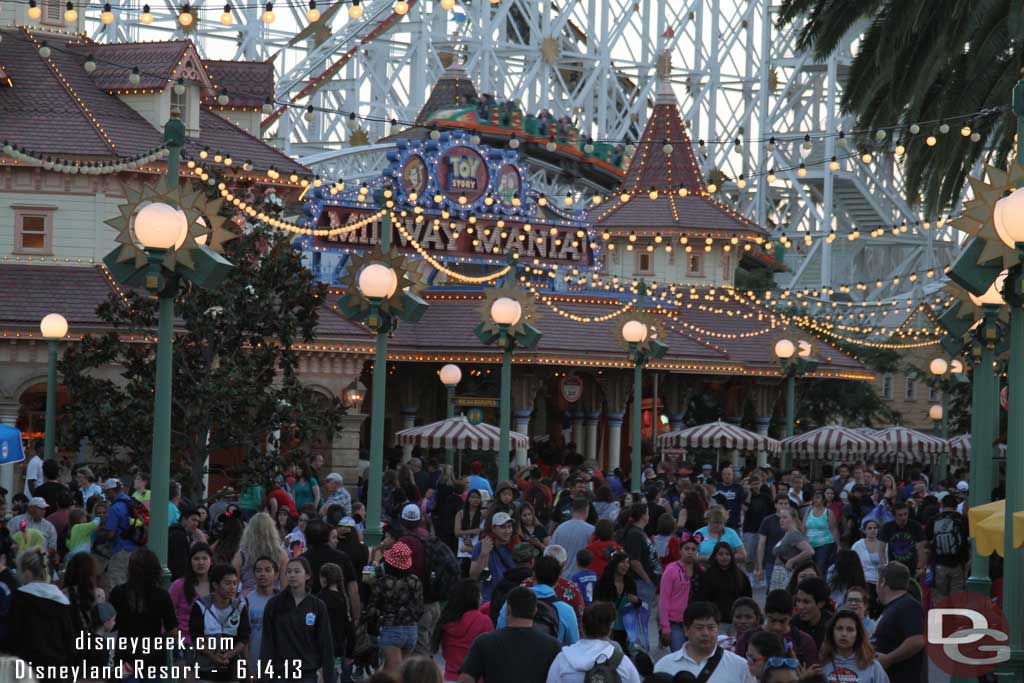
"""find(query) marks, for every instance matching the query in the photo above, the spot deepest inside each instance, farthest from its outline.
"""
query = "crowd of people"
(554, 577)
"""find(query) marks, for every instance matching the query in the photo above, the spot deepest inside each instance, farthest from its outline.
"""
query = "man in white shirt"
(33, 474)
(700, 623)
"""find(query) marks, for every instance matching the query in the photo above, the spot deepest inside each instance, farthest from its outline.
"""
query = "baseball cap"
(334, 476)
(411, 512)
(347, 521)
(523, 552)
(501, 519)
(962, 486)
(37, 502)
(111, 484)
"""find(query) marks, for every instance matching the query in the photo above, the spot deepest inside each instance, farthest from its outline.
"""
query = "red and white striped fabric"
(719, 435)
(960, 449)
(835, 444)
(457, 432)
(911, 446)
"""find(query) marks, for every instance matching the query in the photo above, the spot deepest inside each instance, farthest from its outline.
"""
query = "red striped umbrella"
(458, 432)
(719, 435)
(911, 446)
(960, 449)
(834, 443)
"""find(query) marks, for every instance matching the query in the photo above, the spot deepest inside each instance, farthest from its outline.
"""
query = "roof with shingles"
(668, 172)
(249, 84)
(55, 94)
(72, 291)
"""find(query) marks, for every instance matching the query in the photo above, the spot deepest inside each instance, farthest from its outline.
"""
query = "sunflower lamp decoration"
(504, 320)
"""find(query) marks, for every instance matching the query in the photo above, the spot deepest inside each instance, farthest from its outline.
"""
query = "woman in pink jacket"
(460, 623)
(678, 582)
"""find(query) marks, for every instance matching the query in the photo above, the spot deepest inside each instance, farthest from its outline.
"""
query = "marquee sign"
(461, 202)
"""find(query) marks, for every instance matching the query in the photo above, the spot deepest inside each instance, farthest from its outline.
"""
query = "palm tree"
(925, 61)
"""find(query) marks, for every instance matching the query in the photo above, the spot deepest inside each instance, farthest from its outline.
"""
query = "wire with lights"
(469, 279)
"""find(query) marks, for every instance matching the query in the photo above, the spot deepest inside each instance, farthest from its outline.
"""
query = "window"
(644, 263)
(910, 390)
(727, 267)
(180, 102)
(887, 386)
(54, 12)
(934, 394)
(33, 227)
(695, 264)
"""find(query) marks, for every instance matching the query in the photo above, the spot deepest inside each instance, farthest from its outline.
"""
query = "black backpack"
(443, 570)
(605, 669)
(546, 619)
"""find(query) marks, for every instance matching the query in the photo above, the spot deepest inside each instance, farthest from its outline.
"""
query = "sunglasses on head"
(781, 663)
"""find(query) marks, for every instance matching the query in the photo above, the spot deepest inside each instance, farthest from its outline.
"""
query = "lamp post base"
(1013, 668)
(980, 585)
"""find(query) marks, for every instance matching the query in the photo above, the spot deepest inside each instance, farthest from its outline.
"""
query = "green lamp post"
(382, 290)
(504, 317)
(54, 328)
(168, 233)
(640, 335)
(795, 359)
(450, 376)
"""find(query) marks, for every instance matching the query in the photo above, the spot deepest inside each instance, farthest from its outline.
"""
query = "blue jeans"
(401, 637)
(823, 556)
(648, 594)
(677, 637)
(769, 567)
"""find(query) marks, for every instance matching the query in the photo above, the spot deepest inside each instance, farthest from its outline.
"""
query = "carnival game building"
(79, 120)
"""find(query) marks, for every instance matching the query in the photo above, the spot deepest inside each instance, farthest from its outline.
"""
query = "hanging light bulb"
(226, 18)
(268, 105)
(866, 157)
(268, 14)
(70, 14)
(135, 76)
(34, 12)
(741, 182)
(90, 64)
(308, 114)
(222, 98)
(965, 131)
(107, 15)
(931, 141)
(915, 129)
(653, 194)
(44, 50)
(356, 10)
(901, 149)
(833, 165)
(802, 170)
(447, 5)
(312, 14)
(147, 17)
(944, 128)
(185, 17)
(179, 87)
(401, 8)
(771, 176)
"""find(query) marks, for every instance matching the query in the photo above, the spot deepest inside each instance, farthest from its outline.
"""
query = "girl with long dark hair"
(847, 572)
(80, 583)
(229, 538)
(847, 648)
(460, 623)
(723, 582)
(144, 609)
(618, 587)
(193, 585)
(468, 522)
(529, 527)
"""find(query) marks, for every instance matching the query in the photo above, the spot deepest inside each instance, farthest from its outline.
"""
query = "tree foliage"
(235, 383)
(925, 62)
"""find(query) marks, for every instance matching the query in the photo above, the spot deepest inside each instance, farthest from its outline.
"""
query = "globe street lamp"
(450, 375)
(635, 333)
(938, 367)
(795, 360)
(158, 247)
(54, 328)
(380, 292)
(504, 319)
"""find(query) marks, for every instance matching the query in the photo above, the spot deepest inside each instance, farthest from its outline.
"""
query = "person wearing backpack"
(949, 548)
(554, 617)
(595, 658)
(122, 530)
(220, 619)
(518, 653)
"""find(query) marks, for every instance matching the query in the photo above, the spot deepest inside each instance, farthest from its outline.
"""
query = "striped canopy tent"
(458, 432)
(960, 449)
(835, 444)
(720, 435)
(907, 445)
(866, 430)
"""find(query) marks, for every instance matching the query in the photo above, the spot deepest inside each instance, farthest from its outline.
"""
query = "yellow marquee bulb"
(401, 7)
(931, 141)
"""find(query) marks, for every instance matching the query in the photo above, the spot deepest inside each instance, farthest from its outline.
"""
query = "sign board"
(462, 172)
(572, 388)
(475, 416)
(475, 402)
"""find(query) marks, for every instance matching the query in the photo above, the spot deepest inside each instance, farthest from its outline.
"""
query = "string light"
(440, 266)
(401, 7)
(226, 18)
(185, 17)
(355, 10)
(268, 14)
(312, 14)
(147, 16)
(70, 14)
(34, 11)
(107, 15)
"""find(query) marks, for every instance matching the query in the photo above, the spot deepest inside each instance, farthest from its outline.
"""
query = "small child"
(585, 579)
(83, 529)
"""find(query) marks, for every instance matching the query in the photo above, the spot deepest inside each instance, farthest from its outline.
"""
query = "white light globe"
(378, 281)
(938, 366)
(785, 349)
(506, 311)
(993, 296)
(955, 366)
(935, 412)
(1009, 218)
(157, 226)
(450, 375)
(53, 326)
(634, 332)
